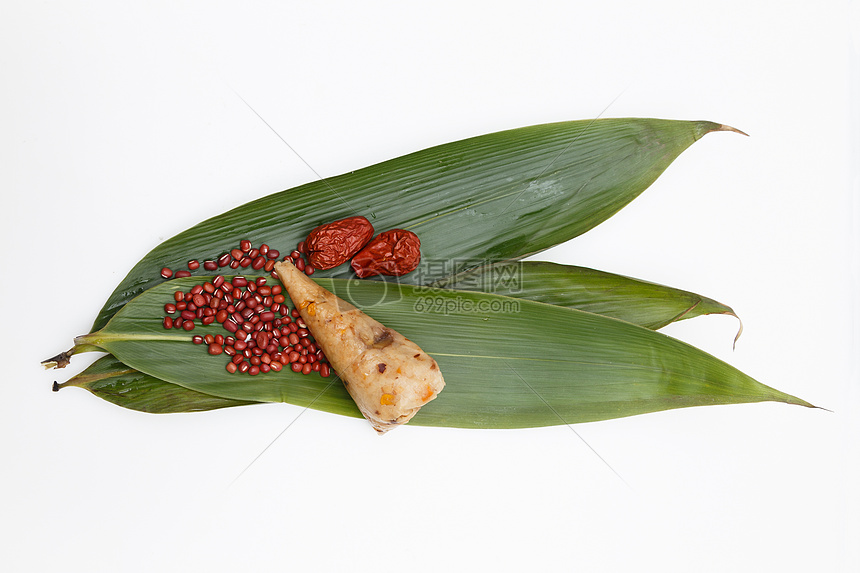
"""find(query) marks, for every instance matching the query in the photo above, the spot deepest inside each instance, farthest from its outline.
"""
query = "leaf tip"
(740, 329)
(55, 387)
(723, 127)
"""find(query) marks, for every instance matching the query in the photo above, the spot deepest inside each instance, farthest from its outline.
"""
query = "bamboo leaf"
(508, 363)
(489, 198)
(639, 302)
(111, 380)
(644, 303)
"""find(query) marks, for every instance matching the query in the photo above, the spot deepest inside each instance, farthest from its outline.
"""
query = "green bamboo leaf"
(489, 198)
(644, 303)
(647, 304)
(111, 380)
(508, 363)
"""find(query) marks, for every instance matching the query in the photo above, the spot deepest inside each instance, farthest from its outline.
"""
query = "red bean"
(254, 253)
(302, 248)
(210, 265)
(245, 245)
(272, 254)
(237, 358)
(294, 356)
(208, 287)
(167, 322)
(296, 367)
(234, 264)
(269, 266)
(218, 281)
(199, 300)
(267, 316)
(221, 316)
(307, 369)
(229, 351)
(239, 282)
(262, 339)
(169, 308)
(303, 332)
(178, 296)
(300, 264)
(294, 338)
(265, 367)
(182, 274)
(215, 349)
(254, 370)
(208, 339)
(245, 262)
(231, 326)
(240, 345)
(237, 254)
(188, 325)
(166, 273)
(309, 270)
(224, 260)
(276, 289)
(324, 370)
(264, 248)
(244, 367)
(230, 341)
(231, 367)
(276, 366)
(193, 265)
(260, 281)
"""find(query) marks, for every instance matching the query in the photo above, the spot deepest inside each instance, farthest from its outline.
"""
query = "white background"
(120, 126)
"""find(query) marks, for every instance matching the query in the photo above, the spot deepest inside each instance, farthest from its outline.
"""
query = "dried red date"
(335, 243)
(395, 253)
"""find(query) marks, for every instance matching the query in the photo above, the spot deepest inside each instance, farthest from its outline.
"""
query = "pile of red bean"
(264, 332)
(262, 258)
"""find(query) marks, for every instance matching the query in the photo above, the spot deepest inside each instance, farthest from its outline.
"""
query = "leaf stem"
(63, 359)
